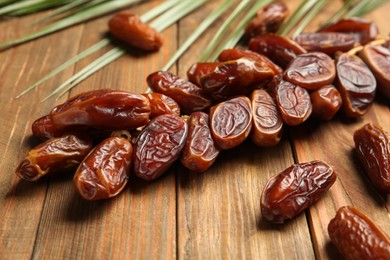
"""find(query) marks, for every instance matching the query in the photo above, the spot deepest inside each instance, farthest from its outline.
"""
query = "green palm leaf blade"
(309, 16)
(40, 6)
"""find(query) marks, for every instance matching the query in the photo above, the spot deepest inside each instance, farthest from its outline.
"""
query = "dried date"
(198, 70)
(159, 145)
(161, 104)
(104, 172)
(326, 101)
(372, 145)
(130, 29)
(54, 156)
(200, 151)
(357, 237)
(231, 122)
(43, 128)
(267, 122)
(311, 70)
(295, 189)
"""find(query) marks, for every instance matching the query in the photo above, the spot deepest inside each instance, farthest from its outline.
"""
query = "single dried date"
(372, 145)
(159, 145)
(326, 101)
(200, 151)
(130, 29)
(357, 237)
(54, 156)
(295, 189)
(267, 122)
(161, 104)
(231, 122)
(311, 70)
(356, 84)
(103, 109)
(104, 172)
(43, 128)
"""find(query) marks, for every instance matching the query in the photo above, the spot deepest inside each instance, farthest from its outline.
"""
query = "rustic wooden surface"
(185, 215)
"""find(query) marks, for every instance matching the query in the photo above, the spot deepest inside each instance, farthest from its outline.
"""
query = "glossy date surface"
(295, 189)
(326, 102)
(161, 104)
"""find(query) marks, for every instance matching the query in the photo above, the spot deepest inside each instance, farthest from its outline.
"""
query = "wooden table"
(185, 215)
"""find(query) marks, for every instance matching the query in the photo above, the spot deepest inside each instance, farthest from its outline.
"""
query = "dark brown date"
(235, 54)
(189, 96)
(159, 145)
(268, 20)
(130, 29)
(200, 69)
(378, 59)
(356, 84)
(357, 237)
(103, 109)
(236, 77)
(199, 152)
(54, 156)
(267, 122)
(43, 128)
(362, 29)
(280, 49)
(326, 101)
(311, 70)
(293, 101)
(295, 189)
(372, 145)
(326, 42)
(161, 104)
(104, 172)
(231, 122)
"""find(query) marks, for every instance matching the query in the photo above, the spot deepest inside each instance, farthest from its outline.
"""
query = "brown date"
(199, 152)
(189, 96)
(159, 145)
(236, 77)
(54, 155)
(267, 122)
(268, 20)
(130, 29)
(200, 69)
(103, 109)
(280, 49)
(293, 101)
(235, 54)
(231, 122)
(362, 29)
(104, 172)
(357, 237)
(295, 189)
(43, 128)
(372, 145)
(311, 70)
(161, 104)
(326, 101)
(378, 59)
(356, 84)
(326, 42)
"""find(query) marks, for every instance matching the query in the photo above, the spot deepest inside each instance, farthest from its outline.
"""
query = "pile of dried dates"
(253, 93)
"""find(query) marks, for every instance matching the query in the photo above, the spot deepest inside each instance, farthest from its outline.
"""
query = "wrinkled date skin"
(295, 189)
(235, 54)
(231, 122)
(43, 128)
(372, 145)
(311, 70)
(236, 77)
(326, 42)
(267, 20)
(357, 237)
(356, 84)
(189, 96)
(104, 172)
(281, 50)
(159, 145)
(54, 156)
(293, 101)
(199, 152)
(378, 59)
(267, 122)
(130, 29)
(198, 70)
(103, 109)
(326, 101)
(362, 29)
(161, 104)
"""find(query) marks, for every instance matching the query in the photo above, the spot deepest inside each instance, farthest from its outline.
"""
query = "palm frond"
(309, 16)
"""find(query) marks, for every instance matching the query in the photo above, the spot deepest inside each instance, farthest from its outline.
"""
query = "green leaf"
(309, 16)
